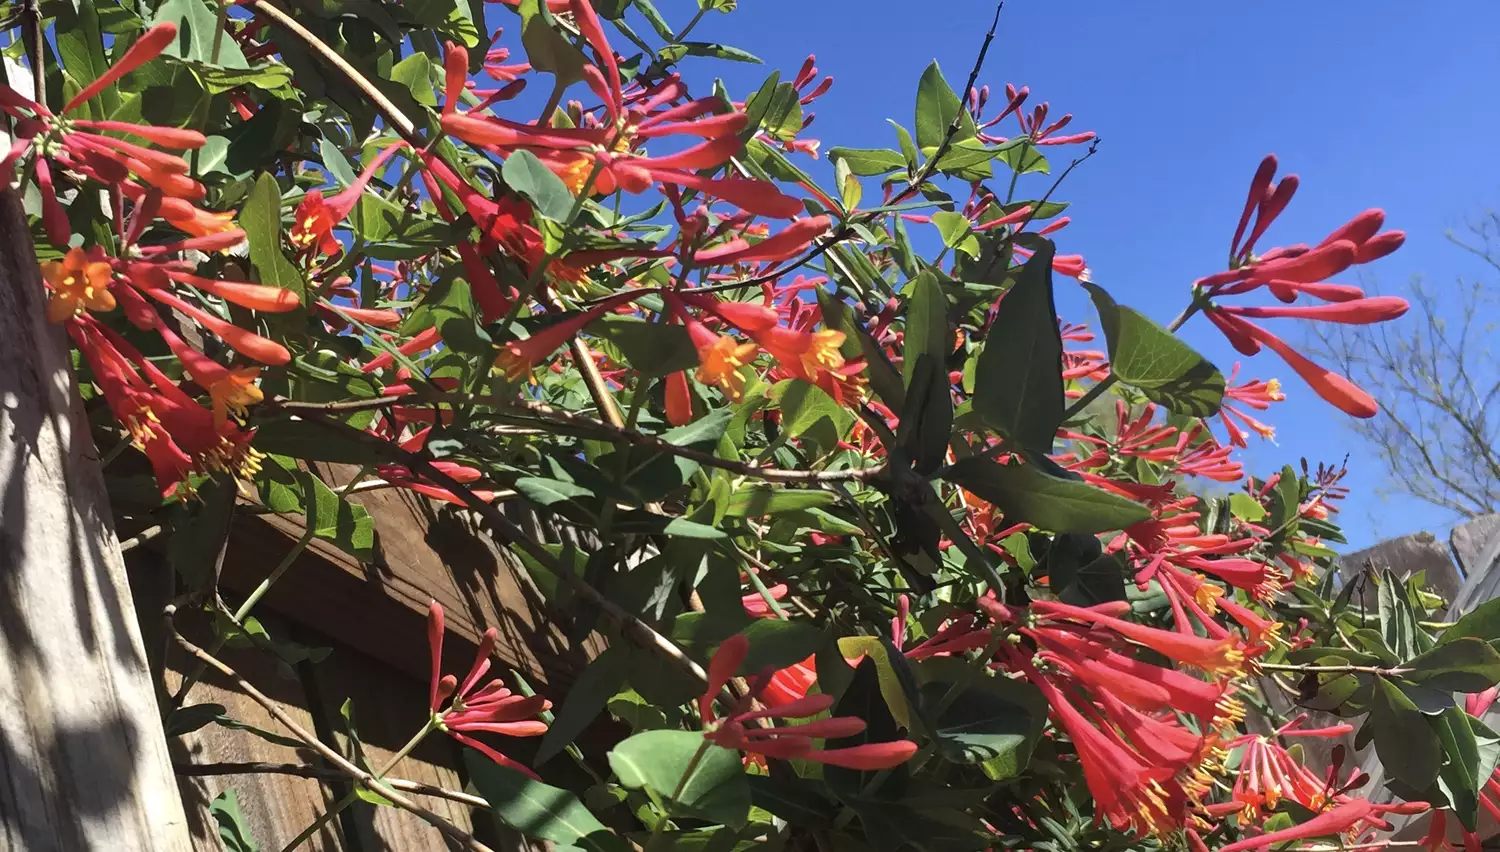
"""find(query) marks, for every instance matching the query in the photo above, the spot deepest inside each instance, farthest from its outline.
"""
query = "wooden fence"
(372, 617)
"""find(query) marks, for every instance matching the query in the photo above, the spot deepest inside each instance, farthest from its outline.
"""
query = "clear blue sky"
(1374, 104)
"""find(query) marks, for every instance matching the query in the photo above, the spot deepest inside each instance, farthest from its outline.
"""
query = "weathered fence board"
(81, 749)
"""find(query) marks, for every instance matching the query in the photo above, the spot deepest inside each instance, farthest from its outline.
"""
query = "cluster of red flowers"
(491, 708)
(1289, 272)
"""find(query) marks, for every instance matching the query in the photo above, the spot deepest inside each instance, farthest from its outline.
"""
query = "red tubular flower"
(679, 400)
(1337, 390)
(1215, 656)
(1127, 791)
(785, 742)
(518, 357)
(1336, 821)
(178, 436)
(608, 153)
(786, 244)
(83, 146)
(1289, 272)
(488, 709)
(316, 218)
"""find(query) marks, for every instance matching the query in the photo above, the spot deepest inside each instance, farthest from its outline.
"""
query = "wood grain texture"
(425, 551)
(275, 807)
(83, 760)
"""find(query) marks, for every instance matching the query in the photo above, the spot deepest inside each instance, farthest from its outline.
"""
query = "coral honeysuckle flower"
(679, 400)
(1129, 792)
(231, 389)
(488, 709)
(84, 146)
(317, 217)
(608, 152)
(178, 436)
(518, 357)
(720, 358)
(78, 283)
(785, 742)
(784, 245)
(1217, 656)
(1255, 394)
(1292, 271)
(1343, 394)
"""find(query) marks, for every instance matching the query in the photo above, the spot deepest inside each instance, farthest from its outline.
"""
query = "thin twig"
(349, 769)
(382, 104)
(302, 771)
(141, 537)
(1375, 670)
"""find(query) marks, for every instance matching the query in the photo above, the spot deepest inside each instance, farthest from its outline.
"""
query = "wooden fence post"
(83, 758)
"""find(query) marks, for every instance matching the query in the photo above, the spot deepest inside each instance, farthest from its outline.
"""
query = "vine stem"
(1375, 670)
(198, 770)
(387, 110)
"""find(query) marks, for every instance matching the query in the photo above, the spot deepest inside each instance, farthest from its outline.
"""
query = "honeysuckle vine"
(880, 551)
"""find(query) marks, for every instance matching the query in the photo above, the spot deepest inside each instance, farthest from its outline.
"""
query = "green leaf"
(81, 48)
(1023, 157)
(957, 232)
(993, 720)
(1459, 776)
(1398, 623)
(599, 681)
(809, 413)
(195, 34)
(713, 50)
(759, 500)
(261, 219)
(1246, 508)
(1156, 362)
(1482, 622)
(1027, 493)
(414, 75)
(539, 810)
(777, 644)
(524, 173)
(927, 330)
(794, 799)
(662, 762)
(868, 162)
(233, 832)
(937, 107)
(547, 49)
(927, 415)
(545, 492)
(864, 699)
(1464, 665)
(185, 720)
(286, 488)
(652, 349)
(908, 148)
(217, 79)
(1018, 382)
(1404, 741)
